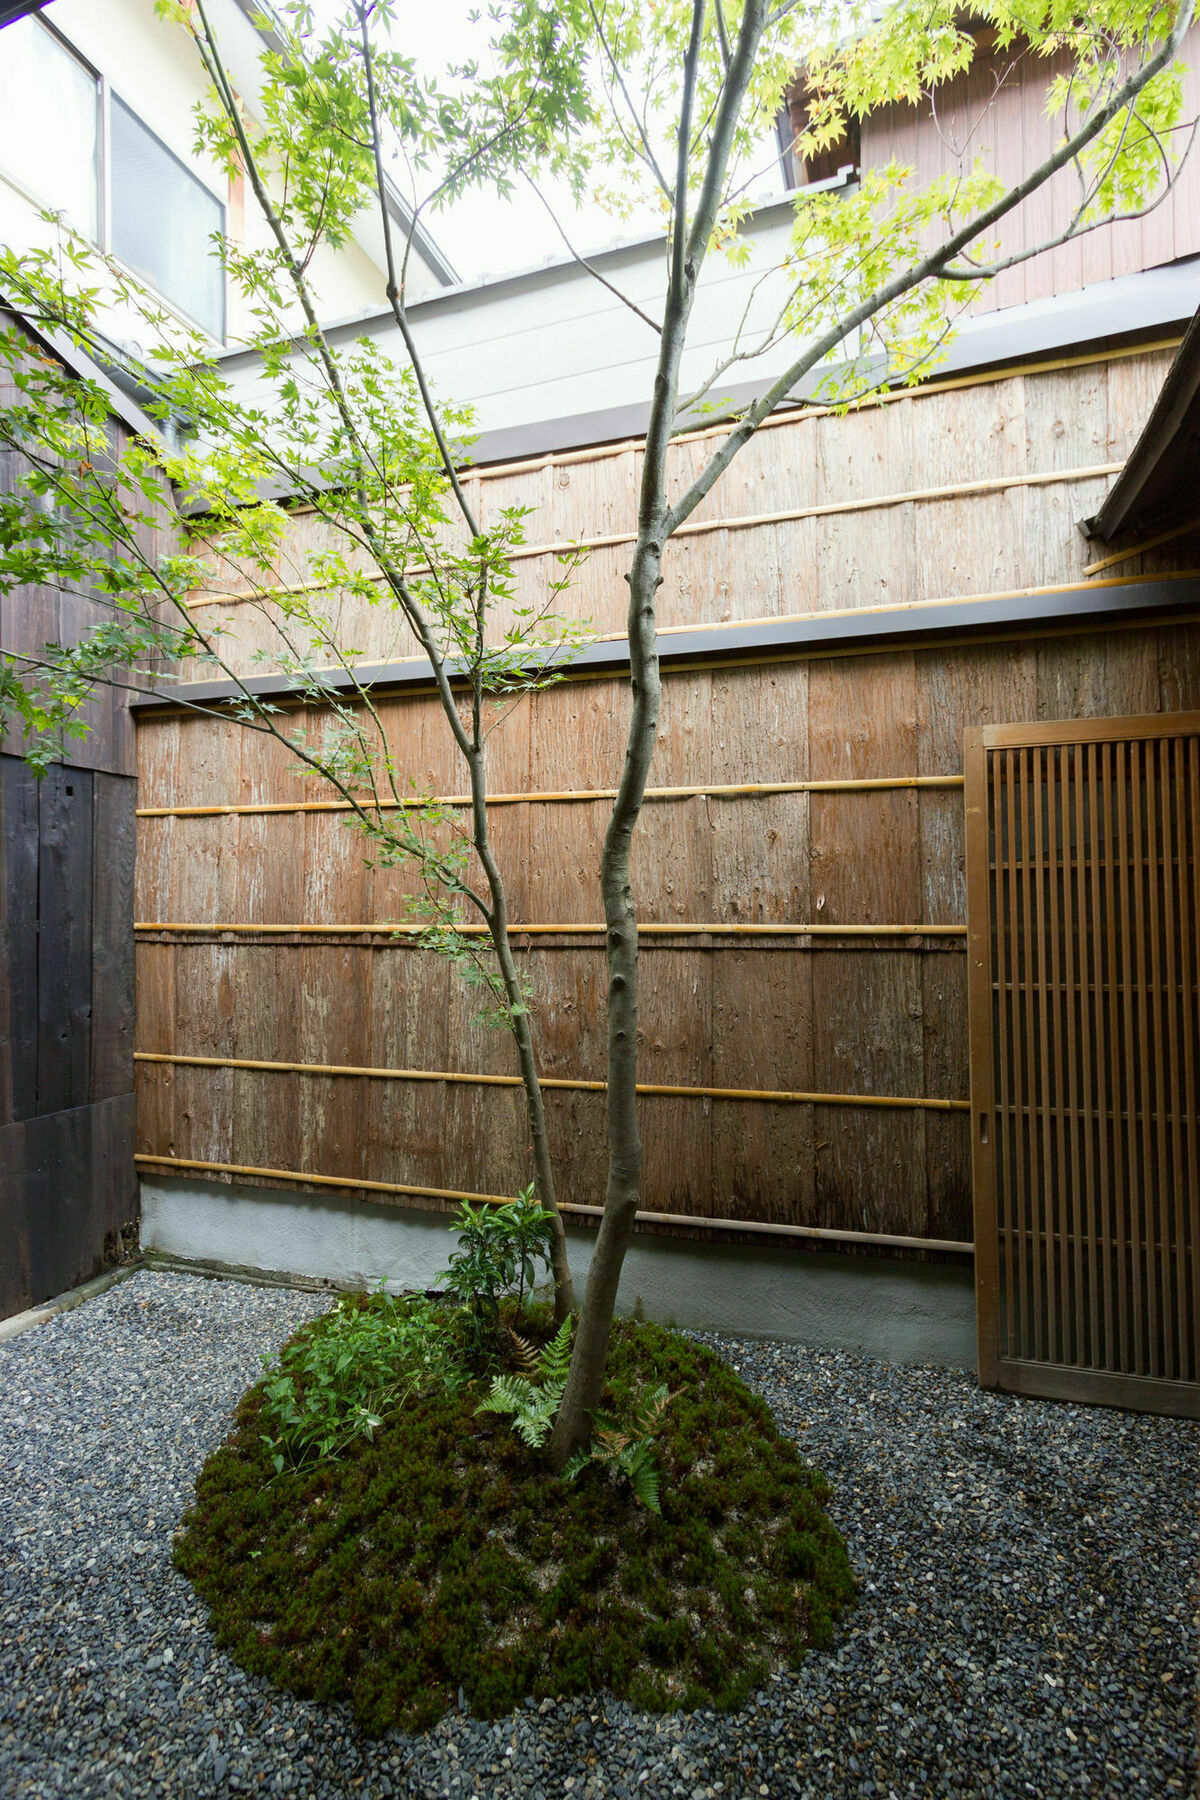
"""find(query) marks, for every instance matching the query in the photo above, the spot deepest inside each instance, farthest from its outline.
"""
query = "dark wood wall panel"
(68, 1198)
(64, 939)
(69, 1194)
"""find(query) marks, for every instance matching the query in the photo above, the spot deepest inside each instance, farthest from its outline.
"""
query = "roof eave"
(259, 13)
(1131, 502)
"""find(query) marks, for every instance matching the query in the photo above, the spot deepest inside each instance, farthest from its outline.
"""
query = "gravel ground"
(1025, 1626)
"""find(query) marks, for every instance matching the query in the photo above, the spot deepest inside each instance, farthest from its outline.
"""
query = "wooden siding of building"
(68, 1186)
(856, 1017)
(996, 111)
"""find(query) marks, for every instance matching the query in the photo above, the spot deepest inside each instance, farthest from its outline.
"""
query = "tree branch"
(590, 267)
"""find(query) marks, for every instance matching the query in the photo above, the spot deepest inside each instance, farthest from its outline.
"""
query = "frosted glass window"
(50, 123)
(163, 221)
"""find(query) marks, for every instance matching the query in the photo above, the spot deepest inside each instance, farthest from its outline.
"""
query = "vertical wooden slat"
(1171, 1197)
(1093, 1192)
(1113, 788)
(1192, 1001)
(1057, 1122)
(1071, 858)
(1092, 905)
(1187, 825)
(1041, 1099)
(1026, 1068)
(1004, 1009)
(1158, 1231)
(984, 1121)
(1140, 1098)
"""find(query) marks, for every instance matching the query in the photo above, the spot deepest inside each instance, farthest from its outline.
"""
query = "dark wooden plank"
(64, 939)
(16, 1285)
(18, 940)
(68, 1198)
(114, 831)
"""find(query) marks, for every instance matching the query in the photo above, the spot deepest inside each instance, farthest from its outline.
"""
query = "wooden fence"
(803, 1027)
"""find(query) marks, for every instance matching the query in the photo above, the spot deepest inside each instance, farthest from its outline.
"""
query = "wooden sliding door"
(1082, 847)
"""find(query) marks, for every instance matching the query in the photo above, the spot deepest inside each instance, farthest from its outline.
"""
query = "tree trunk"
(590, 1355)
(543, 1171)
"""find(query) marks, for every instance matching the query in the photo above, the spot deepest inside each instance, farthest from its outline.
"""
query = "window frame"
(106, 93)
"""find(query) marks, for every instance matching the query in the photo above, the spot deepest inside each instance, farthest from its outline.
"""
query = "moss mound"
(443, 1554)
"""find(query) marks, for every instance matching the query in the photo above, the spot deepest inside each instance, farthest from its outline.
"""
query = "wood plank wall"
(68, 1185)
(848, 1016)
(996, 111)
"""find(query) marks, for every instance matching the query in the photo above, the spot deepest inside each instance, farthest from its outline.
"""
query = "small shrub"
(499, 1249)
(340, 1380)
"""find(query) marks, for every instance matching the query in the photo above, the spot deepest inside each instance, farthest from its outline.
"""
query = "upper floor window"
(838, 161)
(163, 221)
(73, 145)
(50, 123)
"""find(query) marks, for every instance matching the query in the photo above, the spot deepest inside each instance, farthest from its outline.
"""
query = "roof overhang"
(261, 15)
(1161, 479)
(16, 9)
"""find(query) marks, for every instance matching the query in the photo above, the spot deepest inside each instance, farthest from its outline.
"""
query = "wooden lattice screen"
(1083, 841)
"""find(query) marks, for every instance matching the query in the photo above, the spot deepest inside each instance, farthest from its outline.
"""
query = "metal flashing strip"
(67, 352)
(876, 628)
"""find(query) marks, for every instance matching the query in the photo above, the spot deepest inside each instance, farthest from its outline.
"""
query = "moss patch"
(444, 1554)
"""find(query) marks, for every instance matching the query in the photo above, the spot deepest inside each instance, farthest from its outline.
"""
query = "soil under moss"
(444, 1555)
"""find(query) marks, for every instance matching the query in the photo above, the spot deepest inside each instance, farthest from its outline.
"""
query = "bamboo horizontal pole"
(1164, 537)
(701, 527)
(697, 1222)
(708, 790)
(783, 1097)
(654, 928)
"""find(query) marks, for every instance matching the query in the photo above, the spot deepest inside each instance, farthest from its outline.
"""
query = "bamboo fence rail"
(806, 414)
(1152, 543)
(698, 1222)
(704, 790)
(653, 928)
(956, 490)
(782, 1096)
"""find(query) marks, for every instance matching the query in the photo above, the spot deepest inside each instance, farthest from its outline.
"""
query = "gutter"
(868, 629)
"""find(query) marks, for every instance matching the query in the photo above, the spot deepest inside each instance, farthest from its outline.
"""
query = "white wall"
(903, 1312)
(552, 342)
(551, 348)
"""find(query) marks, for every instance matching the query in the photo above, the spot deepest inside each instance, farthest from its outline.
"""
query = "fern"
(628, 1453)
(533, 1401)
(526, 1353)
(555, 1359)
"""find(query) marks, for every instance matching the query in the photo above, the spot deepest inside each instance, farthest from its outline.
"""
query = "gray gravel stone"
(1025, 1626)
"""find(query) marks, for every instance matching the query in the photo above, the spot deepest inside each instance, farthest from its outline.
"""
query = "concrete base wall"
(902, 1312)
